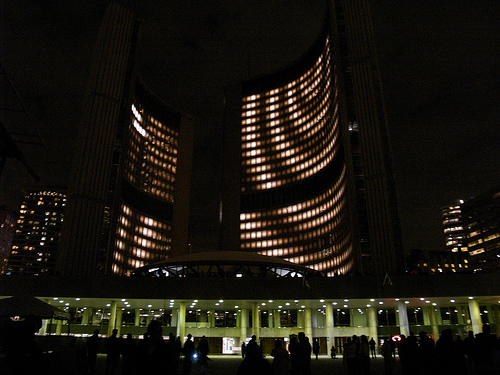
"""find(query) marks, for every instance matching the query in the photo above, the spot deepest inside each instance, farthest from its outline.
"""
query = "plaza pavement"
(228, 365)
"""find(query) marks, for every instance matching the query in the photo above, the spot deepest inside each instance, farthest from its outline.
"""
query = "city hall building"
(309, 233)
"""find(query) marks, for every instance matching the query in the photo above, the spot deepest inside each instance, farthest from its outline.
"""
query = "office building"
(129, 191)
(481, 216)
(453, 227)
(7, 222)
(307, 166)
(37, 232)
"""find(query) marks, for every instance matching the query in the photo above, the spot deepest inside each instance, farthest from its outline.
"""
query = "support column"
(137, 321)
(307, 323)
(372, 323)
(59, 327)
(112, 318)
(277, 318)
(434, 325)
(475, 316)
(329, 326)
(404, 326)
(181, 321)
(243, 325)
(118, 325)
(85, 317)
(255, 320)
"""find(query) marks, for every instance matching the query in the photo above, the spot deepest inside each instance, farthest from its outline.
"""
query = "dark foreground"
(228, 365)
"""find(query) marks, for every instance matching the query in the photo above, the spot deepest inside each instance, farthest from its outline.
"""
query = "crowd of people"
(152, 354)
(294, 361)
(474, 355)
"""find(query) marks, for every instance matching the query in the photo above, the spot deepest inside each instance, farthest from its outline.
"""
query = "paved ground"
(228, 365)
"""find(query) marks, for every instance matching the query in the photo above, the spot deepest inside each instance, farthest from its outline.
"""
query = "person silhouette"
(188, 351)
(92, 345)
(112, 345)
(281, 359)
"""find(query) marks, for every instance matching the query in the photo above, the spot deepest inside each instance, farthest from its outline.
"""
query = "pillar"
(277, 318)
(307, 323)
(137, 321)
(255, 320)
(181, 321)
(372, 323)
(243, 325)
(433, 321)
(59, 327)
(118, 325)
(112, 318)
(404, 326)
(475, 316)
(329, 326)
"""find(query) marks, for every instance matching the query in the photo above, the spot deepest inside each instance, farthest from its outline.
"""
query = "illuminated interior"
(150, 164)
(290, 139)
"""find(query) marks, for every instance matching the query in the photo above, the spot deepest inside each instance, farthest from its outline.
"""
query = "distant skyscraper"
(129, 192)
(307, 166)
(453, 226)
(37, 233)
(7, 222)
(481, 217)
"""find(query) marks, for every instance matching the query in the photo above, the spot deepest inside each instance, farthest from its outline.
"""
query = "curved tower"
(284, 139)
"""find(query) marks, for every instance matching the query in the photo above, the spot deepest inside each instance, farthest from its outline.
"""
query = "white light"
(321, 300)
(471, 297)
(150, 306)
(407, 302)
(304, 306)
(372, 300)
(108, 305)
(397, 299)
(220, 301)
(346, 300)
(422, 299)
(346, 306)
(368, 305)
(452, 300)
(270, 301)
(123, 299)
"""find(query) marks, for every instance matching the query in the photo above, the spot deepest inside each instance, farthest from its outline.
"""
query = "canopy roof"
(225, 264)
(29, 307)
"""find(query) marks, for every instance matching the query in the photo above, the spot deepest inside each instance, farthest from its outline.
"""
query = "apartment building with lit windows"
(128, 202)
(37, 232)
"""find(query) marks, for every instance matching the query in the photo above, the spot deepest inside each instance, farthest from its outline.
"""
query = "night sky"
(439, 60)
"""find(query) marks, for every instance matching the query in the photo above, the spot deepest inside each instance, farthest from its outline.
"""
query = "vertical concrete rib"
(81, 237)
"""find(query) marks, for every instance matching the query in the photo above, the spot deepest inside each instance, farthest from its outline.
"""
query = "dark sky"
(439, 62)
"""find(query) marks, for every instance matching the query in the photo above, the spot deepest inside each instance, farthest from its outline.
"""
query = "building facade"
(7, 222)
(307, 168)
(129, 189)
(481, 216)
(453, 227)
(37, 232)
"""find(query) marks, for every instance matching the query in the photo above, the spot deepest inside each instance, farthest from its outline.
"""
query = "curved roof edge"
(229, 258)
